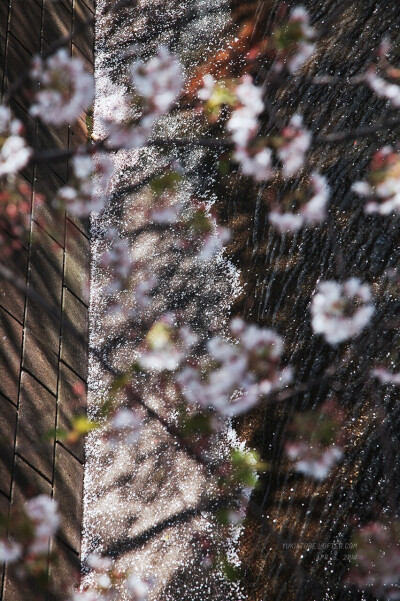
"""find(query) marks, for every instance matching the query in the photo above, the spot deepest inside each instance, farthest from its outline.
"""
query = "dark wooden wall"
(40, 359)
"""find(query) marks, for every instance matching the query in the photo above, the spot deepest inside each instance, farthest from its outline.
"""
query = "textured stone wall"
(40, 357)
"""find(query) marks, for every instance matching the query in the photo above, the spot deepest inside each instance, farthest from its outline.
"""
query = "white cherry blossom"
(257, 165)
(159, 82)
(304, 51)
(286, 222)
(314, 211)
(341, 311)
(125, 425)
(166, 345)
(43, 511)
(305, 46)
(160, 79)
(382, 188)
(66, 89)
(14, 152)
(243, 123)
(311, 214)
(385, 376)
(313, 462)
(383, 88)
(207, 90)
(137, 588)
(14, 155)
(297, 141)
(10, 551)
(250, 96)
(214, 242)
(247, 371)
(87, 189)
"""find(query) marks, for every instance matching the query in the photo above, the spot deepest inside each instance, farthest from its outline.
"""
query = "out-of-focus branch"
(130, 543)
(361, 132)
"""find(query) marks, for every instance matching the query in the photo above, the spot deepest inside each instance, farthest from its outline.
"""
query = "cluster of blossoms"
(124, 426)
(382, 186)
(246, 370)
(341, 311)
(383, 88)
(316, 448)
(109, 584)
(89, 173)
(293, 147)
(254, 156)
(158, 83)
(14, 153)
(311, 213)
(243, 125)
(66, 89)
(34, 528)
(377, 565)
(385, 376)
(294, 41)
(166, 345)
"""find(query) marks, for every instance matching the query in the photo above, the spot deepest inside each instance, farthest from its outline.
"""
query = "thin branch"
(215, 143)
(130, 543)
(362, 132)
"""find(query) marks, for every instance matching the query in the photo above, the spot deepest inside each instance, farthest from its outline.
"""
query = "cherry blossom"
(82, 196)
(257, 164)
(296, 142)
(385, 376)
(98, 562)
(125, 425)
(249, 95)
(316, 443)
(286, 222)
(107, 580)
(43, 511)
(158, 83)
(166, 345)
(305, 48)
(341, 311)
(383, 88)
(66, 89)
(14, 152)
(311, 214)
(248, 370)
(314, 211)
(243, 123)
(138, 588)
(213, 242)
(160, 80)
(377, 565)
(207, 90)
(10, 551)
(313, 461)
(294, 41)
(383, 183)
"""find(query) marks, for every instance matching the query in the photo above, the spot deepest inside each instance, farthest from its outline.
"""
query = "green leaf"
(82, 425)
(165, 182)
(231, 572)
